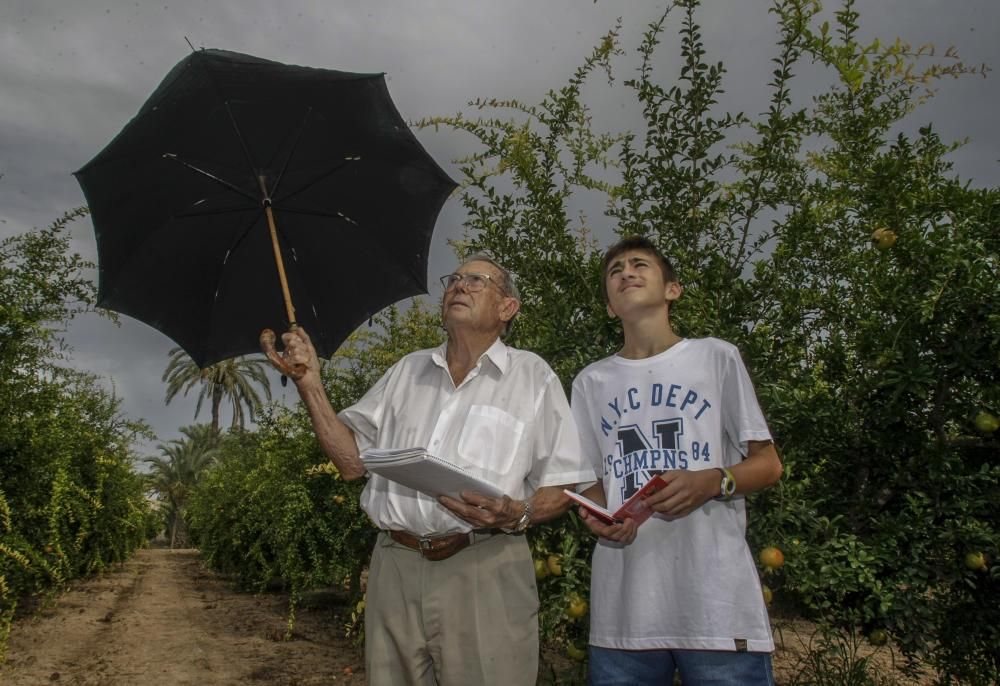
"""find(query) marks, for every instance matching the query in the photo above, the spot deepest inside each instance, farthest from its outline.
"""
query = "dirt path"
(163, 619)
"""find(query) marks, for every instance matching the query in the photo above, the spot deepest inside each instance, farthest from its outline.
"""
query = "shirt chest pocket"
(490, 438)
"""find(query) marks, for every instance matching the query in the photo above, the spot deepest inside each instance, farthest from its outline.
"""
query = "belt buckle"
(425, 545)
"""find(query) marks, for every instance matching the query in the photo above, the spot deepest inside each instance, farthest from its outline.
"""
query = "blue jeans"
(610, 667)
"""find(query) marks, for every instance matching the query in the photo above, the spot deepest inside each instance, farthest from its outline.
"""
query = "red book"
(634, 508)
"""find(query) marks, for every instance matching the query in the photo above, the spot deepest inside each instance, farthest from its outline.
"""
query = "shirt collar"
(498, 354)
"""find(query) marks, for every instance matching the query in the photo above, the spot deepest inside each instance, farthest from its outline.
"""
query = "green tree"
(70, 500)
(232, 379)
(43, 285)
(176, 472)
(830, 239)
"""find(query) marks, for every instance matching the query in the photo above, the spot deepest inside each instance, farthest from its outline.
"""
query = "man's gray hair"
(508, 285)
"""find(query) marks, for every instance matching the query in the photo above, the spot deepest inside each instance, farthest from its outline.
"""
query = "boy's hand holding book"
(622, 525)
(618, 532)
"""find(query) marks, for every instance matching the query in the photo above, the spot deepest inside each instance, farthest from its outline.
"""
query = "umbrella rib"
(319, 213)
(232, 119)
(310, 184)
(210, 213)
(295, 146)
(239, 136)
(239, 240)
(227, 184)
(221, 273)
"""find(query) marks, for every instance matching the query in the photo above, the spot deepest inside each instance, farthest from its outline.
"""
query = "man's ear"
(508, 308)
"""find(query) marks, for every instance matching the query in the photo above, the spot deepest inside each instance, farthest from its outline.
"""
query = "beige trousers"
(469, 620)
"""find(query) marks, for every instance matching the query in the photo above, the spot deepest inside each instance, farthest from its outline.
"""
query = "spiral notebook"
(421, 471)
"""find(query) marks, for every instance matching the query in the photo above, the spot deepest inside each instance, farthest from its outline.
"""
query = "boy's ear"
(611, 313)
(672, 291)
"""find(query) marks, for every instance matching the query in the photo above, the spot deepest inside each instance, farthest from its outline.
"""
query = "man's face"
(635, 283)
(485, 310)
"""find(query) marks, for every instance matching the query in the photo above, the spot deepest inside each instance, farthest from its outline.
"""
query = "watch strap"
(727, 486)
(522, 523)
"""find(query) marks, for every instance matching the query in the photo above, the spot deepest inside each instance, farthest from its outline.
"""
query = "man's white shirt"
(507, 422)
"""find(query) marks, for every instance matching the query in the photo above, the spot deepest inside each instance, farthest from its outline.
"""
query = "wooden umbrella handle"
(267, 341)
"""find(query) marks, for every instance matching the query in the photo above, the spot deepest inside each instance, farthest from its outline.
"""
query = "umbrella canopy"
(180, 202)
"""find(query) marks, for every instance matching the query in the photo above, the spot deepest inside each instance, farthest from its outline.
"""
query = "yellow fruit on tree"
(884, 238)
(771, 557)
(878, 637)
(768, 594)
(986, 422)
(575, 653)
(541, 569)
(554, 563)
(576, 607)
(976, 562)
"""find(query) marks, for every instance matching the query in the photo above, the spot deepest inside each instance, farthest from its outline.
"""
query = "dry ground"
(162, 618)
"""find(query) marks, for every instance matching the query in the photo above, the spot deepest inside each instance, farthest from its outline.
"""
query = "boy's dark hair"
(642, 244)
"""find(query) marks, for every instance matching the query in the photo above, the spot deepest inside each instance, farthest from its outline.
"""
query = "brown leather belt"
(437, 548)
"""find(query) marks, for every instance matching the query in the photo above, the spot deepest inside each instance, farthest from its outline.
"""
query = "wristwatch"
(524, 521)
(728, 485)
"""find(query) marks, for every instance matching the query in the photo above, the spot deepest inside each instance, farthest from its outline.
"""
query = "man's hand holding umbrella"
(300, 353)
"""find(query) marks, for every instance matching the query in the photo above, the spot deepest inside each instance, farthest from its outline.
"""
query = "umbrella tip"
(189, 44)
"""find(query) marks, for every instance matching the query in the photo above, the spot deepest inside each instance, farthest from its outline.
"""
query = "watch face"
(726, 485)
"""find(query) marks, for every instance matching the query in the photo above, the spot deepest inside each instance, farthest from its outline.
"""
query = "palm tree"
(177, 471)
(233, 379)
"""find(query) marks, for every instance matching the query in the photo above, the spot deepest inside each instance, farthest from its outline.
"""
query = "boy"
(680, 593)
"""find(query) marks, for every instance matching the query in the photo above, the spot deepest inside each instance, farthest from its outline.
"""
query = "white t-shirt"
(507, 422)
(691, 582)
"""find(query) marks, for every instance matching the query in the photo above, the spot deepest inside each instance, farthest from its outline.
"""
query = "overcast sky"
(72, 73)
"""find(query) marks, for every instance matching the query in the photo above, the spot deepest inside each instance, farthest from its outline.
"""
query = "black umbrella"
(241, 180)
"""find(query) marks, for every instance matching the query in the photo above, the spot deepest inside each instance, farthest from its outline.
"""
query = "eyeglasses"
(473, 282)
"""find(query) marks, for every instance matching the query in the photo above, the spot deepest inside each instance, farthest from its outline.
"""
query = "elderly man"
(451, 586)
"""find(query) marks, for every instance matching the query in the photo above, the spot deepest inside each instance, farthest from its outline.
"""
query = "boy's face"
(635, 285)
